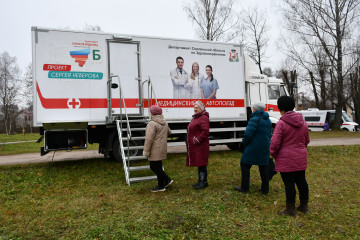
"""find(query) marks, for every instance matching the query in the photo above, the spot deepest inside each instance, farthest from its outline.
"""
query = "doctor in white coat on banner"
(179, 78)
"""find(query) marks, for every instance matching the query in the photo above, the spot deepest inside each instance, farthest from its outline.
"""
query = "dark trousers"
(245, 177)
(298, 178)
(156, 167)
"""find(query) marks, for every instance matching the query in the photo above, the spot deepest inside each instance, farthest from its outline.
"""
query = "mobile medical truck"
(94, 87)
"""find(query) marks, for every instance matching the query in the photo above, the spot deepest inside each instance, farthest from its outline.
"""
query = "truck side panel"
(71, 70)
(70, 77)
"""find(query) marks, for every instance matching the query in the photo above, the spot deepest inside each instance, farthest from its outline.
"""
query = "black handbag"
(271, 168)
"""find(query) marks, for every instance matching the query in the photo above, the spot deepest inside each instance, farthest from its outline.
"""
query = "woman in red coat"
(197, 143)
(288, 147)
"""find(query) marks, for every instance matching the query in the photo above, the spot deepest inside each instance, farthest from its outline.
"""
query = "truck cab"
(259, 87)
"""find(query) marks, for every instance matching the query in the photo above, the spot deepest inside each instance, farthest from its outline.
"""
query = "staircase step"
(141, 179)
(133, 147)
(130, 115)
(137, 120)
(134, 129)
(131, 158)
(134, 138)
(137, 168)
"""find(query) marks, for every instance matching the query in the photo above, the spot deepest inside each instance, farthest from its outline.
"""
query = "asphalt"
(61, 156)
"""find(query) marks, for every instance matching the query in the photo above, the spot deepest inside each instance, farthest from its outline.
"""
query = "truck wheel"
(233, 146)
(116, 146)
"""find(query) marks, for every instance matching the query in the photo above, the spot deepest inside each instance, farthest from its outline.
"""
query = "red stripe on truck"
(72, 103)
(274, 107)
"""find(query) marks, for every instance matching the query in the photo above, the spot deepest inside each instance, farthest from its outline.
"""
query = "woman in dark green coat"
(257, 151)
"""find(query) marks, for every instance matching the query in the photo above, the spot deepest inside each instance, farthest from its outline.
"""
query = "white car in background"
(316, 119)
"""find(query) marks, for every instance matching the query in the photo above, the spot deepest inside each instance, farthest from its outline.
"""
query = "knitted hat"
(286, 103)
(200, 104)
(259, 106)
(155, 110)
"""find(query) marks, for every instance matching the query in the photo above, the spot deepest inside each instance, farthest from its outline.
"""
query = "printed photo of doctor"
(193, 85)
(209, 84)
(180, 78)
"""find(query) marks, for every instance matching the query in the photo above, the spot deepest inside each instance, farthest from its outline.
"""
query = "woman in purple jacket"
(197, 143)
(288, 147)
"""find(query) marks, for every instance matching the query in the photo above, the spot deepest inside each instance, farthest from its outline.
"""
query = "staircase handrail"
(151, 92)
(121, 149)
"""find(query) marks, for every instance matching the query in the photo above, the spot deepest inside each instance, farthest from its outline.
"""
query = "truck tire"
(116, 146)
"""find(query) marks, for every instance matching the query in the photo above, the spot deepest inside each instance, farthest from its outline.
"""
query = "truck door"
(257, 92)
(124, 62)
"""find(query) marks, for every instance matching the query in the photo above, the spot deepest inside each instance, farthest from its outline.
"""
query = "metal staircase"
(132, 158)
(132, 163)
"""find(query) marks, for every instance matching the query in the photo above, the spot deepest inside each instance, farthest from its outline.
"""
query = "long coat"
(289, 142)
(197, 141)
(257, 141)
(157, 131)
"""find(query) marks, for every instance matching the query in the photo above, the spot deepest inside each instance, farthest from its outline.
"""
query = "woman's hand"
(212, 95)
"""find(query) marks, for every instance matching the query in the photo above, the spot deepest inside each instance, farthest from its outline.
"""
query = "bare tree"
(355, 92)
(256, 34)
(310, 56)
(268, 71)
(9, 85)
(329, 23)
(28, 87)
(215, 20)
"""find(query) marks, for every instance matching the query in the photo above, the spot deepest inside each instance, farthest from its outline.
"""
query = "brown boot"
(303, 207)
(290, 210)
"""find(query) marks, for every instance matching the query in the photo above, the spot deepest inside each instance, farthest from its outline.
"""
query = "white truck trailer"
(94, 87)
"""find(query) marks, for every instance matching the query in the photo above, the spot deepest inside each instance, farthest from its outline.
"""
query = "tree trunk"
(340, 79)
(312, 79)
(286, 79)
(322, 89)
(355, 93)
(357, 97)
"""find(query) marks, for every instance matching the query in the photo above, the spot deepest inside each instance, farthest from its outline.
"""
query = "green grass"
(18, 137)
(90, 200)
(334, 134)
(25, 147)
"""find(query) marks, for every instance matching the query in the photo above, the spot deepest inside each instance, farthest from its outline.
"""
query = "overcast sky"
(163, 18)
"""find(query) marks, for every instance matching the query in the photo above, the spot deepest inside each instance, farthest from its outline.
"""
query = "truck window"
(346, 117)
(282, 91)
(312, 119)
(332, 119)
(273, 92)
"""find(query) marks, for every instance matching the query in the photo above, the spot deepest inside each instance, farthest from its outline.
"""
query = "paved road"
(81, 155)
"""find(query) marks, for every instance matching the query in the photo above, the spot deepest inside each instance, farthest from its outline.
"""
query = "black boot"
(196, 185)
(303, 207)
(290, 210)
(203, 179)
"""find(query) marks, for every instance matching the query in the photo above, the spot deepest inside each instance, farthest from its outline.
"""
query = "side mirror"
(114, 85)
